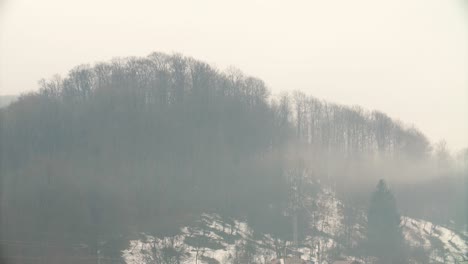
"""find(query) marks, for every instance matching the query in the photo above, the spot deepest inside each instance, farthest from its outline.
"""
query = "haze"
(406, 58)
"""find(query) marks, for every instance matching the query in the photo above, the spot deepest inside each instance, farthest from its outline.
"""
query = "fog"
(234, 133)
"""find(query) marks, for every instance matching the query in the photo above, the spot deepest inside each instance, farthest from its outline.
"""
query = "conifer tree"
(385, 239)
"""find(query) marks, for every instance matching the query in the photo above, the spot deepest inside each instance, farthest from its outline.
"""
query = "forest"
(146, 144)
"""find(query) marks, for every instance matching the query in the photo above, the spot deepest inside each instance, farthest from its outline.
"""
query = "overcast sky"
(408, 58)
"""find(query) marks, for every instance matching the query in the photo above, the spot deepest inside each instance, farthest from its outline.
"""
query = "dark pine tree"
(385, 239)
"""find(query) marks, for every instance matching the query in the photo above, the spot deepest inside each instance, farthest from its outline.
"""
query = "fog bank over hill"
(144, 146)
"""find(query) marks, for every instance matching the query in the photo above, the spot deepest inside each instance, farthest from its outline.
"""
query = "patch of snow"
(146, 250)
(419, 233)
(328, 218)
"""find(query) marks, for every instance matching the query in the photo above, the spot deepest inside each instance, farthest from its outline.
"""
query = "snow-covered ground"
(444, 242)
(213, 246)
(329, 218)
(211, 240)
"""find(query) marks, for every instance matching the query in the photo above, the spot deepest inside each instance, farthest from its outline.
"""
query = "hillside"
(212, 240)
(148, 145)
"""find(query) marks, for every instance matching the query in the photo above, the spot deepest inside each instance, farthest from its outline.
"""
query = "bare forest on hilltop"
(148, 144)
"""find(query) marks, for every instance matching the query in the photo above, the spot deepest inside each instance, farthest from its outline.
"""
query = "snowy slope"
(443, 242)
(214, 246)
(212, 241)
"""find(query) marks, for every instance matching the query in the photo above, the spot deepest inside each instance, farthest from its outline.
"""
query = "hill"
(149, 144)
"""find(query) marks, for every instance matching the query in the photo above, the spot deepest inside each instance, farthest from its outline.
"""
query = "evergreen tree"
(385, 239)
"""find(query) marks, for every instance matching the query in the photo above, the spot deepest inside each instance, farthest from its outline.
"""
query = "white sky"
(408, 58)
